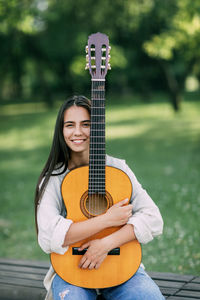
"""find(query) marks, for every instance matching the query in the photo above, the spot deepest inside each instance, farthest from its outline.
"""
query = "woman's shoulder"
(115, 162)
(60, 170)
(57, 175)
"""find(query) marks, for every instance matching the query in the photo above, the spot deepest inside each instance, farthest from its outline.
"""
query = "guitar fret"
(99, 184)
(99, 159)
(93, 191)
(100, 180)
(98, 172)
(99, 130)
(97, 190)
(99, 100)
(99, 165)
(94, 107)
(96, 154)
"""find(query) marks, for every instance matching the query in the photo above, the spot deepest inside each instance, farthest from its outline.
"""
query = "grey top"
(53, 223)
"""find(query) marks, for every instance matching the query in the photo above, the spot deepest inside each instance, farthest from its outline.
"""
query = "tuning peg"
(87, 67)
(109, 48)
(87, 57)
(109, 67)
(109, 56)
(86, 49)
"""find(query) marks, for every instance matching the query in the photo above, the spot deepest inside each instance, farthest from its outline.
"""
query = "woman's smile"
(78, 141)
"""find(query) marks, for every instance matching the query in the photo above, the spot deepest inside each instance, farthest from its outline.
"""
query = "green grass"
(161, 147)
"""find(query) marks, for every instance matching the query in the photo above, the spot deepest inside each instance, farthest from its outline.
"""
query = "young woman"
(140, 220)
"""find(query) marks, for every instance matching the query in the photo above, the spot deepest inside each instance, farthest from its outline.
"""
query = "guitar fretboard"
(97, 139)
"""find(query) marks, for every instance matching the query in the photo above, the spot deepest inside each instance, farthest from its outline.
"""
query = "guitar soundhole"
(95, 204)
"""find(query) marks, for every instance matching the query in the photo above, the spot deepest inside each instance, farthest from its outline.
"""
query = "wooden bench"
(23, 280)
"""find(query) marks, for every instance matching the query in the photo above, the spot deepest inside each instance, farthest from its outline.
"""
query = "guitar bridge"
(75, 251)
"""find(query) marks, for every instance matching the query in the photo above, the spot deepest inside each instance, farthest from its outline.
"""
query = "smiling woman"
(90, 236)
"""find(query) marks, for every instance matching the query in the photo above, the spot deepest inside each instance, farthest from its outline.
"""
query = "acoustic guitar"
(90, 190)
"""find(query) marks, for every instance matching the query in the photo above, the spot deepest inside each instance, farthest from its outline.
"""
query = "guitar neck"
(97, 139)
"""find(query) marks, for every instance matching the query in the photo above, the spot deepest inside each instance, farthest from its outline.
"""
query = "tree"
(176, 48)
(154, 45)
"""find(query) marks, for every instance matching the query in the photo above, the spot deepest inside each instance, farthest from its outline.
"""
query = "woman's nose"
(77, 130)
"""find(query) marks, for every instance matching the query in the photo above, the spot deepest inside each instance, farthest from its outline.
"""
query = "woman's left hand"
(95, 255)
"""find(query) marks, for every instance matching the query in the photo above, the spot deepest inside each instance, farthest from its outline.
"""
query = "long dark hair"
(59, 153)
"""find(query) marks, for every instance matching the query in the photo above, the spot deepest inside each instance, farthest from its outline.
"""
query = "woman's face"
(76, 129)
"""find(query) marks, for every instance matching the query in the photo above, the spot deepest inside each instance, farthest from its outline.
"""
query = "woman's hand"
(119, 213)
(95, 254)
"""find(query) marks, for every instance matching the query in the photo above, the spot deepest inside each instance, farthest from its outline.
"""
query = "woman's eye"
(86, 124)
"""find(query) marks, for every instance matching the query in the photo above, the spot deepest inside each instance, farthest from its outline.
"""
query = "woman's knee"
(62, 290)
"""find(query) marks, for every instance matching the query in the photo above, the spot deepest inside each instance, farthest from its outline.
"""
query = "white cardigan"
(53, 223)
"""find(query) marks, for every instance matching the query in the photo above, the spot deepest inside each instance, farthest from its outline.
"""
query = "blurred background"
(152, 109)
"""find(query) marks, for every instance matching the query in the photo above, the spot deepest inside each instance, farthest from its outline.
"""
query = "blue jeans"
(138, 287)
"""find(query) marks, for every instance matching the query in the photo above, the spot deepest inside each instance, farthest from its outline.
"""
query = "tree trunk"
(172, 85)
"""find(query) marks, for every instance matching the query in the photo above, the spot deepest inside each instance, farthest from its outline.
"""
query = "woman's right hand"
(119, 213)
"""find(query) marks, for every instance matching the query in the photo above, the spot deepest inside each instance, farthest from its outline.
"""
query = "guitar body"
(115, 269)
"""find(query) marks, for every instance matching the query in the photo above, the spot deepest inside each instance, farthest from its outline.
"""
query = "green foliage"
(181, 33)
(161, 148)
(43, 41)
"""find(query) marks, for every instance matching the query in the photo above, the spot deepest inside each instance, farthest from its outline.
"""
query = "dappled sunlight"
(134, 113)
(23, 108)
(124, 131)
(27, 139)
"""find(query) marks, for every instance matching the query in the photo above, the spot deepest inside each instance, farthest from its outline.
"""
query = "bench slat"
(191, 294)
(192, 286)
(171, 284)
(23, 269)
(21, 282)
(168, 291)
(171, 276)
(196, 279)
(33, 263)
(179, 298)
(10, 292)
(9, 274)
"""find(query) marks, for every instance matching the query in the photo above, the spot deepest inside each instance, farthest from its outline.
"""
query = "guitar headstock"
(98, 57)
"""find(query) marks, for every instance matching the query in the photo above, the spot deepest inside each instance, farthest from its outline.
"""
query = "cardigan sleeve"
(146, 219)
(52, 224)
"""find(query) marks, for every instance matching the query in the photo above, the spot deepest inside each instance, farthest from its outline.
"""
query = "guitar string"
(97, 170)
(96, 175)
